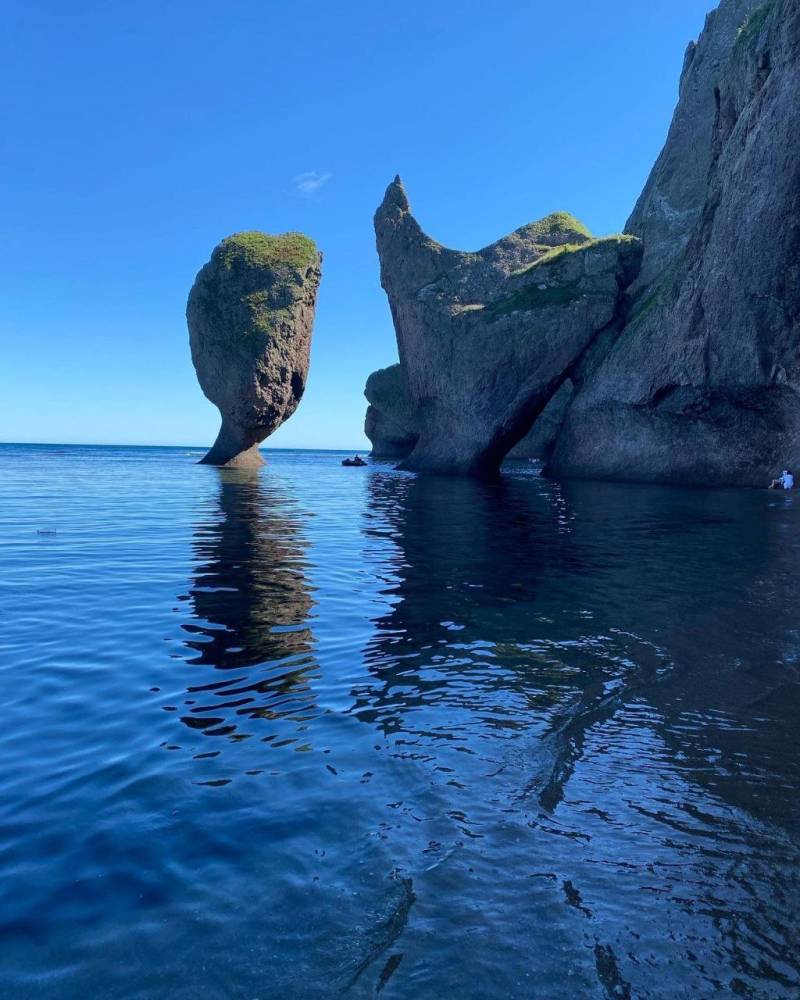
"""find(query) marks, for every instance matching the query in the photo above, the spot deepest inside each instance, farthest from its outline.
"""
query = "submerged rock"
(487, 338)
(703, 384)
(250, 314)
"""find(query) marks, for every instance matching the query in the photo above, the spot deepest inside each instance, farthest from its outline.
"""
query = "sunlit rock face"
(250, 315)
(486, 339)
(703, 385)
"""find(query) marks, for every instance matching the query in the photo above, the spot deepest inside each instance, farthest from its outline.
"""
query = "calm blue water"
(322, 731)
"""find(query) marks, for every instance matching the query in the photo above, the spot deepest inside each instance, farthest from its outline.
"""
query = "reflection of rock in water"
(251, 602)
(470, 650)
(510, 613)
(645, 752)
(471, 560)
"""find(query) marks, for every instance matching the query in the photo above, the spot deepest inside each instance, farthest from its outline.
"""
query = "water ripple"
(349, 730)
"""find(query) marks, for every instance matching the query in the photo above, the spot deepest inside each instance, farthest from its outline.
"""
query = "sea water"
(318, 731)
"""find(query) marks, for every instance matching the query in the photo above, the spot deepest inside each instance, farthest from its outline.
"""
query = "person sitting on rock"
(785, 482)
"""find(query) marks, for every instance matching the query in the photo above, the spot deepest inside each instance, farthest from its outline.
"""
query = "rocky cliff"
(487, 338)
(250, 314)
(391, 423)
(703, 384)
(696, 378)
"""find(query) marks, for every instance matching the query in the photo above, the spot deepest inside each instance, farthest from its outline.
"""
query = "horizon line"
(191, 447)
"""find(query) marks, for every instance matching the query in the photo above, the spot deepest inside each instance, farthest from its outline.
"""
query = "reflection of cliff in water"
(251, 602)
(544, 609)
(607, 676)
(474, 573)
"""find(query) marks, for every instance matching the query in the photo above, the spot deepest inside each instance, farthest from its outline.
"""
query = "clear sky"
(135, 135)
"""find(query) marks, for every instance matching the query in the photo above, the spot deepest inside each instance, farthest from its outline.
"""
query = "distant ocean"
(316, 731)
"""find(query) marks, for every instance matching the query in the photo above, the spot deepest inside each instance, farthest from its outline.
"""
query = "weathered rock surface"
(539, 440)
(390, 423)
(392, 428)
(673, 198)
(703, 384)
(250, 314)
(486, 339)
(695, 376)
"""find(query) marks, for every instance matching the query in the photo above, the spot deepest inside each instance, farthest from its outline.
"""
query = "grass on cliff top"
(556, 223)
(553, 254)
(260, 250)
(754, 22)
(534, 297)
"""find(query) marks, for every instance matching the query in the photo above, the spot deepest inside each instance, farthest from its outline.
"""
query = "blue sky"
(135, 135)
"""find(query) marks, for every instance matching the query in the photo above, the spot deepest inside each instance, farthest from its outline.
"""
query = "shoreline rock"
(487, 338)
(390, 423)
(695, 377)
(702, 387)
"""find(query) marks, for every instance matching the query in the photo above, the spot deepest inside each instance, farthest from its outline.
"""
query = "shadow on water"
(601, 676)
(497, 612)
(250, 602)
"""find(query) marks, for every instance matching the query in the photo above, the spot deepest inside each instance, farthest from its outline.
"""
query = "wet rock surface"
(250, 315)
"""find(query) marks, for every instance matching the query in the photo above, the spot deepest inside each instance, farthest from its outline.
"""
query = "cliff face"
(703, 384)
(391, 421)
(487, 338)
(250, 314)
(690, 371)
(672, 201)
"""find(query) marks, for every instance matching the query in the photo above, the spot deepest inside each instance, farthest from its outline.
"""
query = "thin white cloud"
(311, 181)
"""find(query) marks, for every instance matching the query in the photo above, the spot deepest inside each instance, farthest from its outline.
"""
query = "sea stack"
(486, 339)
(250, 315)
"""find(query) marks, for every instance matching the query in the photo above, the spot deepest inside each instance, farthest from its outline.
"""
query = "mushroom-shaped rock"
(250, 314)
(486, 339)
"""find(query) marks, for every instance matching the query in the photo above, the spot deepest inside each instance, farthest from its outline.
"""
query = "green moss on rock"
(551, 289)
(533, 297)
(556, 224)
(652, 295)
(552, 255)
(255, 249)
